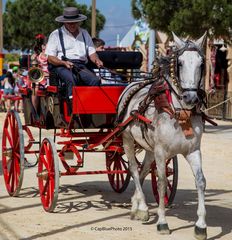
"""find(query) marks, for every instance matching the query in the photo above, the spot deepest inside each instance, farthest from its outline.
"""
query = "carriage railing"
(122, 76)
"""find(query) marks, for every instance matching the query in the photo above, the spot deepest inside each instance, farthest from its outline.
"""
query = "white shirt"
(74, 47)
(7, 85)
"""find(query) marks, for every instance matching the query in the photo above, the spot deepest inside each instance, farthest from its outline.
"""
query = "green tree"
(11, 57)
(187, 17)
(24, 19)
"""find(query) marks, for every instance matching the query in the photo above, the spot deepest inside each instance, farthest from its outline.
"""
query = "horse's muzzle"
(190, 97)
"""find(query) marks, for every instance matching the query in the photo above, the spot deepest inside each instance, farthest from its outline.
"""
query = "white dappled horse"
(164, 138)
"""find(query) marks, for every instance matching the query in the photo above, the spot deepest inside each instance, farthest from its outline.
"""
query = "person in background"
(2, 102)
(18, 84)
(8, 83)
(69, 49)
(4, 71)
(24, 77)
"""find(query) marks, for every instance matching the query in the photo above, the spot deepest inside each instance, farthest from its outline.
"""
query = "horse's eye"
(180, 64)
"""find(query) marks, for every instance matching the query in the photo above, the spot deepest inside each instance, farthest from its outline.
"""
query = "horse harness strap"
(184, 118)
(159, 93)
(61, 37)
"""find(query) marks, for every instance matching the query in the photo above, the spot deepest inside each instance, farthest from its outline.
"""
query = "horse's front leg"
(146, 166)
(194, 159)
(139, 208)
(162, 226)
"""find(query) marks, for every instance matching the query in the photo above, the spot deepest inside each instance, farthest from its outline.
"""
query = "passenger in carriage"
(68, 50)
(99, 44)
(39, 59)
(106, 76)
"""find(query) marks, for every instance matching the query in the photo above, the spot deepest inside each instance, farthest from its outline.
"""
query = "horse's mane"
(162, 65)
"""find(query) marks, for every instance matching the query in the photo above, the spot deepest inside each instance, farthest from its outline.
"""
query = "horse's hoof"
(132, 215)
(163, 229)
(140, 215)
(200, 233)
(143, 215)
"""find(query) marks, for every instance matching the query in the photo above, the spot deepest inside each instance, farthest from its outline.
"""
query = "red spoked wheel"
(48, 175)
(120, 179)
(13, 153)
(172, 179)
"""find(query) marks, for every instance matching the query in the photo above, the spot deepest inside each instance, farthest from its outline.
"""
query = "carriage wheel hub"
(43, 174)
(8, 153)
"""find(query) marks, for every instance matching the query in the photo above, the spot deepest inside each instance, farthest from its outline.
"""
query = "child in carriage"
(106, 76)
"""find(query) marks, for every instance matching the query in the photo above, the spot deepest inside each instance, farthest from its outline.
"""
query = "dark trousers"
(80, 75)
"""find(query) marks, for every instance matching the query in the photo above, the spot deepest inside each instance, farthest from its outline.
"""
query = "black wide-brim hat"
(71, 14)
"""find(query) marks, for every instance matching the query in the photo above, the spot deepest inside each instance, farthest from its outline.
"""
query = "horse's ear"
(179, 43)
(200, 42)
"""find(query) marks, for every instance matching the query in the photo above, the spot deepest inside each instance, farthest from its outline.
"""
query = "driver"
(70, 47)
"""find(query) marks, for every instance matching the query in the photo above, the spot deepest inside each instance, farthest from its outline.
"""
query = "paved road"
(89, 209)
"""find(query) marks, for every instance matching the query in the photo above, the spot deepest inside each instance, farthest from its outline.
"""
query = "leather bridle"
(174, 66)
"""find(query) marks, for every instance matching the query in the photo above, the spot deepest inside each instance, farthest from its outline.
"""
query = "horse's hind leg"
(162, 226)
(139, 208)
(194, 160)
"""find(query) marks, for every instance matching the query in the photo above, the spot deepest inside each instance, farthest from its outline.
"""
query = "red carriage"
(89, 128)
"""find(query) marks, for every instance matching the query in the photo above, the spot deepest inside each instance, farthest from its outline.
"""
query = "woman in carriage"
(39, 58)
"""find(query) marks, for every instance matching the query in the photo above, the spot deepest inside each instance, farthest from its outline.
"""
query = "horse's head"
(189, 60)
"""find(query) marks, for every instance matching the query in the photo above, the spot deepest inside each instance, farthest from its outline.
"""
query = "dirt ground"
(89, 209)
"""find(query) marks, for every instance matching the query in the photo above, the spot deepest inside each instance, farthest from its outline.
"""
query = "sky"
(118, 18)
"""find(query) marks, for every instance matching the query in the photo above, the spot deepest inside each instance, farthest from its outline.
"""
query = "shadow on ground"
(75, 198)
(216, 129)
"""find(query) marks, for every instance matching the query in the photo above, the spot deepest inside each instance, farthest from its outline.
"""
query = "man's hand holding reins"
(98, 63)
(68, 64)
(58, 62)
